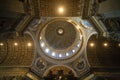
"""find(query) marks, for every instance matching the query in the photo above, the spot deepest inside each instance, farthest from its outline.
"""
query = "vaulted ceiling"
(104, 15)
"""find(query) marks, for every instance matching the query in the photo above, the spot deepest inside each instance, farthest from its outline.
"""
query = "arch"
(60, 67)
(90, 50)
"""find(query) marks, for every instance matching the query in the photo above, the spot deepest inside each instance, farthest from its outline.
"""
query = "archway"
(60, 73)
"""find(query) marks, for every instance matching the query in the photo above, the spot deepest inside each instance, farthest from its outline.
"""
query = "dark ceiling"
(15, 11)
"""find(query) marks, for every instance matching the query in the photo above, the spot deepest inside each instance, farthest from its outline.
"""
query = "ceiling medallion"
(60, 39)
(40, 64)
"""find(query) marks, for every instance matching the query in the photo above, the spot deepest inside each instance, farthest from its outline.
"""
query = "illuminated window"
(40, 37)
(53, 53)
(67, 54)
(47, 50)
(73, 50)
(60, 55)
(42, 44)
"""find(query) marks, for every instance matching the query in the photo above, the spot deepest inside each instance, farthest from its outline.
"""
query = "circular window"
(60, 39)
